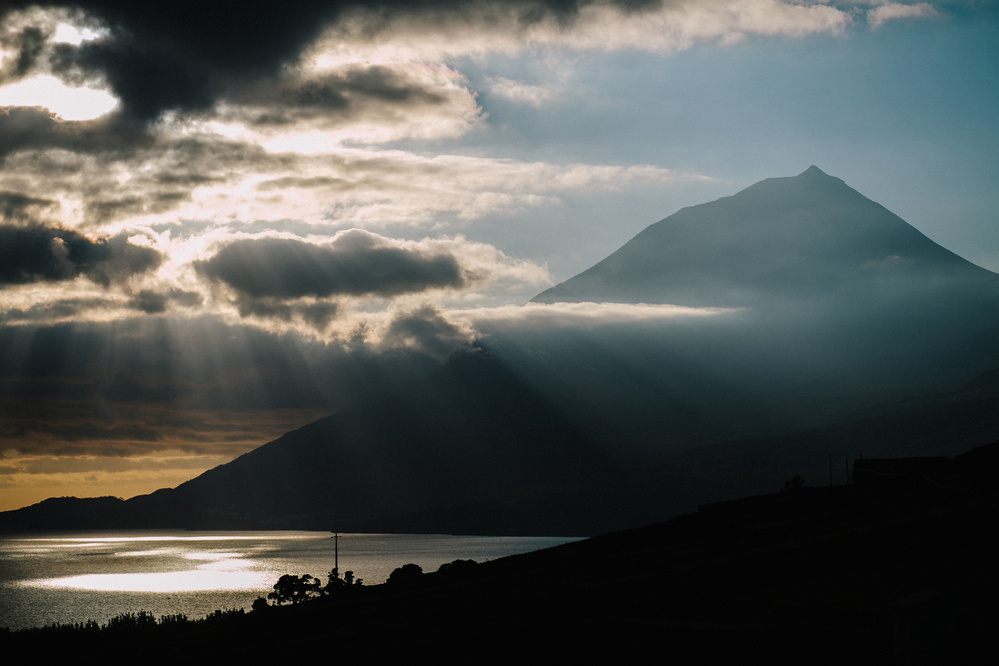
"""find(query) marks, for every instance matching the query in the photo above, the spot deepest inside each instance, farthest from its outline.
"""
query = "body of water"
(74, 577)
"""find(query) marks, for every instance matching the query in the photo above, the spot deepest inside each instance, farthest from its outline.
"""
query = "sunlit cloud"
(27, 40)
(68, 33)
(896, 10)
(523, 93)
(493, 27)
(207, 178)
(68, 102)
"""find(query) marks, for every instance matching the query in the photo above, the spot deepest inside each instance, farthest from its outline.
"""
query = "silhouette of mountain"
(843, 308)
(853, 334)
(800, 237)
(465, 432)
(468, 432)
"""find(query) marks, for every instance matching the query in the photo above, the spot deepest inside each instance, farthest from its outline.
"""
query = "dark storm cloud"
(19, 207)
(35, 128)
(356, 264)
(129, 66)
(352, 90)
(104, 210)
(426, 331)
(53, 310)
(266, 308)
(318, 315)
(315, 315)
(381, 83)
(153, 302)
(45, 254)
(164, 55)
(28, 44)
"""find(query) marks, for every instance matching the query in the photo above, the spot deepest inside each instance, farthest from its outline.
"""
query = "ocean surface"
(75, 577)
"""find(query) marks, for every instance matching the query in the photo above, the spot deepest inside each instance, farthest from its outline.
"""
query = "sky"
(218, 220)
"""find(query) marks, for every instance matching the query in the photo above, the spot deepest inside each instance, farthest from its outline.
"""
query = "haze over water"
(75, 577)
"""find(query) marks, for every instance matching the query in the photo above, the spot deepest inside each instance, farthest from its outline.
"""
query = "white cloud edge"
(891, 11)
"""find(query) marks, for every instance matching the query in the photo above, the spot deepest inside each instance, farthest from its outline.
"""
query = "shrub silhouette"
(407, 574)
(456, 566)
(128, 621)
(337, 584)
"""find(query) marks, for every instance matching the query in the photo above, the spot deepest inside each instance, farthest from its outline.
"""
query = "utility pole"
(336, 551)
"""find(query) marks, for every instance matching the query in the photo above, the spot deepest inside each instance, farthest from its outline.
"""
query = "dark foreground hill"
(896, 568)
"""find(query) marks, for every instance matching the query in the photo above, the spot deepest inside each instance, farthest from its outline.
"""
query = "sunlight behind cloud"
(66, 33)
(68, 102)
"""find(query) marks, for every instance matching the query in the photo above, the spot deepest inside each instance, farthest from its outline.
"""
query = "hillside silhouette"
(894, 568)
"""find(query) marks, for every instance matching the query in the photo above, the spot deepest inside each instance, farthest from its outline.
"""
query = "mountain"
(794, 238)
(839, 305)
(465, 432)
(849, 334)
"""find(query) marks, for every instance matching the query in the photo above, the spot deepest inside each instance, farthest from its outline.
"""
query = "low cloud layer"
(554, 316)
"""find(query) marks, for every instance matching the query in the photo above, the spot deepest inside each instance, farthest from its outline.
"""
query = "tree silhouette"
(794, 484)
(336, 583)
(294, 589)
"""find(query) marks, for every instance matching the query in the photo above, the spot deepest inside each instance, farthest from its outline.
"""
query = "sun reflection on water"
(222, 571)
(197, 580)
(213, 570)
(75, 577)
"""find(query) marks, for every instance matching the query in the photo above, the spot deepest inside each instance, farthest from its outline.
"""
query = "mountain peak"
(813, 174)
(797, 236)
